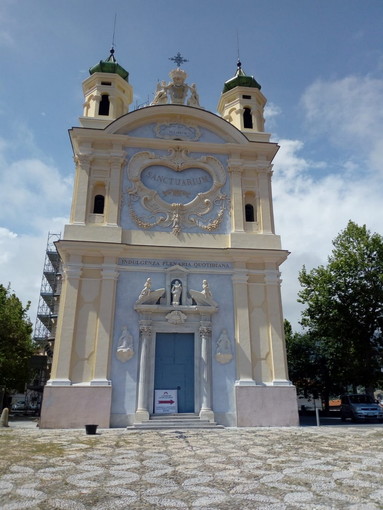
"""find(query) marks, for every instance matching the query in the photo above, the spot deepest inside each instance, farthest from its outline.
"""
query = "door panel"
(174, 367)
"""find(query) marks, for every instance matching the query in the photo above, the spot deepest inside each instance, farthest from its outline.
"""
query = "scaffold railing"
(45, 325)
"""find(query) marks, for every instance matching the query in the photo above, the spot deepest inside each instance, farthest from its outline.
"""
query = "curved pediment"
(175, 122)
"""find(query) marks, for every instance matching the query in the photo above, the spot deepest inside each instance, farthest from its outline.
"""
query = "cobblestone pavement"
(245, 469)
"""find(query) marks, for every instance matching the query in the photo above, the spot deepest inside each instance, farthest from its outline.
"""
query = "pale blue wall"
(124, 375)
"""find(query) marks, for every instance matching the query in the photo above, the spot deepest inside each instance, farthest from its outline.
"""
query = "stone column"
(236, 197)
(60, 374)
(112, 107)
(105, 320)
(80, 189)
(242, 329)
(206, 412)
(265, 199)
(142, 412)
(114, 193)
(96, 104)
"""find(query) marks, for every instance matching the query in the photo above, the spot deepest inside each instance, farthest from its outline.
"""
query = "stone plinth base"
(73, 407)
(206, 414)
(266, 406)
(141, 415)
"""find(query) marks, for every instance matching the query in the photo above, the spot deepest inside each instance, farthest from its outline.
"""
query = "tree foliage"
(310, 366)
(344, 307)
(16, 345)
(301, 357)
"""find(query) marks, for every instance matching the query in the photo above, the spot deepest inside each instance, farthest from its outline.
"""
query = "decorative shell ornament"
(125, 349)
(224, 351)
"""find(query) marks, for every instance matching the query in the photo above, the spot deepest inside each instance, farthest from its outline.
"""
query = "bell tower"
(242, 104)
(107, 93)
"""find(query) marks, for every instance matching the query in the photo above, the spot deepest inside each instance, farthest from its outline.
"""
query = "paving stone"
(313, 468)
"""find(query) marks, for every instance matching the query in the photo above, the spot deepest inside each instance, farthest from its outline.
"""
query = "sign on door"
(165, 401)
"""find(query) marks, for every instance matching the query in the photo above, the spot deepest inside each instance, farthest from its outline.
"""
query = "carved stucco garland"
(176, 215)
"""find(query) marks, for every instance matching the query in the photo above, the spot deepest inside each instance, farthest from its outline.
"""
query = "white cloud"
(311, 212)
(6, 236)
(311, 208)
(35, 199)
(30, 192)
(22, 261)
(272, 110)
(348, 112)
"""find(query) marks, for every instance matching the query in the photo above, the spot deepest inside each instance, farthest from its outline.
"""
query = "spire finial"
(238, 45)
(111, 57)
(114, 31)
(178, 59)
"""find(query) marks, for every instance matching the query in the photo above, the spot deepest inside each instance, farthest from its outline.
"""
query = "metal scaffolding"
(47, 310)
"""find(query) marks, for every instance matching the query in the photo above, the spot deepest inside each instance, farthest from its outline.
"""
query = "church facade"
(170, 296)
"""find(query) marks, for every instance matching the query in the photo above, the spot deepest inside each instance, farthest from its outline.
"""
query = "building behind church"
(170, 294)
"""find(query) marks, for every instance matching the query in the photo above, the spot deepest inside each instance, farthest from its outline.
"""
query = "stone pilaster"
(242, 329)
(113, 202)
(80, 189)
(236, 197)
(265, 200)
(60, 374)
(103, 341)
(275, 315)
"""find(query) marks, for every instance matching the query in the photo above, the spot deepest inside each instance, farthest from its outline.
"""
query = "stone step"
(179, 417)
(175, 421)
(175, 426)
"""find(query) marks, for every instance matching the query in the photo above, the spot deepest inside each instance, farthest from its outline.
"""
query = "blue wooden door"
(174, 367)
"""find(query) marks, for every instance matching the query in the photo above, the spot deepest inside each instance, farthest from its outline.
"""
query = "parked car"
(360, 407)
(22, 406)
(19, 406)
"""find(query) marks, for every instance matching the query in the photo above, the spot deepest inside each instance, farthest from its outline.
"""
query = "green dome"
(240, 80)
(110, 65)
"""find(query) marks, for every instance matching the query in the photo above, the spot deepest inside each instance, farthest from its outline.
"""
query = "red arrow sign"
(166, 401)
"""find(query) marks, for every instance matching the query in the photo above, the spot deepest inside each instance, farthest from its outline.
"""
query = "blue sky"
(320, 64)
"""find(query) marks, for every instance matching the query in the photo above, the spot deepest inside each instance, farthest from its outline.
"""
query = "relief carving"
(176, 317)
(223, 351)
(199, 200)
(171, 131)
(125, 349)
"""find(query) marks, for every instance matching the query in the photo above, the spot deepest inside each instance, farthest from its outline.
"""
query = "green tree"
(16, 346)
(344, 307)
(310, 367)
(301, 360)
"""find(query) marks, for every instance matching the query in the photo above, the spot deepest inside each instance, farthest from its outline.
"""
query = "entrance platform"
(175, 421)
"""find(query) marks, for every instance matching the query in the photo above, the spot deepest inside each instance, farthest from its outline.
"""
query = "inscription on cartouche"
(177, 131)
(177, 181)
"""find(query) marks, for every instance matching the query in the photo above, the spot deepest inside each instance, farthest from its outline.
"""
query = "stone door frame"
(170, 319)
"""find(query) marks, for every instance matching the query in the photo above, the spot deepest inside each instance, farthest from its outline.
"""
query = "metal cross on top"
(178, 59)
